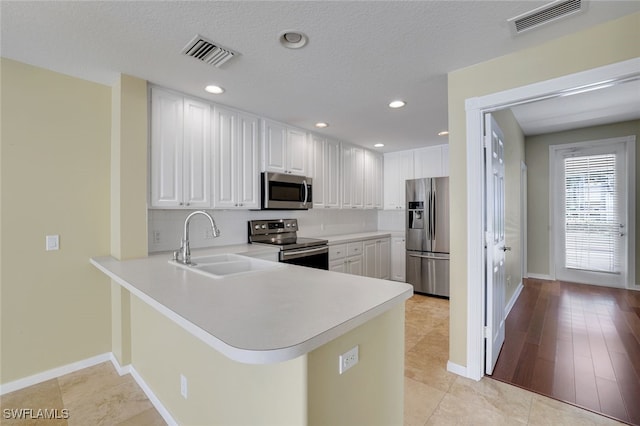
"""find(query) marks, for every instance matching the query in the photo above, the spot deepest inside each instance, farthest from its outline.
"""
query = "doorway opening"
(477, 108)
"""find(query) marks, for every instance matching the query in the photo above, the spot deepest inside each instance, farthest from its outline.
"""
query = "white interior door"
(495, 242)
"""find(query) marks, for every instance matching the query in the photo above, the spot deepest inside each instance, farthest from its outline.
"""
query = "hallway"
(576, 343)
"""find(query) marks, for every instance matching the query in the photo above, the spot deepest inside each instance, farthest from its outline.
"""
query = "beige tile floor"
(433, 396)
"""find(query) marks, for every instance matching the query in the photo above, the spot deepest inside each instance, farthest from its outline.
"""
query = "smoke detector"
(208, 51)
(548, 13)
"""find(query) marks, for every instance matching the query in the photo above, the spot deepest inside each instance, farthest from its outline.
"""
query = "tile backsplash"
(166, 226)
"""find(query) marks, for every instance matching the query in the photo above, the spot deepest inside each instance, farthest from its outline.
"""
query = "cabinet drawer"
(354, 248)
(338, 251)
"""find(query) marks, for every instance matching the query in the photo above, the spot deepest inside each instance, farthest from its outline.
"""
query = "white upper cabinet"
(427, 162)
(325, 171)
(445, 160)
(432, 161)
(352, 176)
(284, 149)
(398, 167)
(180, 151)
(236, 160)
(373, 180)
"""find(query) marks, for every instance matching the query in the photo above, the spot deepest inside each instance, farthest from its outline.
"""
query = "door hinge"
(486, 332)
(486, 141)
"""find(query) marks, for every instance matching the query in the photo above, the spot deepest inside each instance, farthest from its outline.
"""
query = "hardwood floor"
(576, 343)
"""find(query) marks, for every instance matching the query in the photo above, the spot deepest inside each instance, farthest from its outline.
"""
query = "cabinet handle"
(188, 204)
(181, 204)
(241, 204)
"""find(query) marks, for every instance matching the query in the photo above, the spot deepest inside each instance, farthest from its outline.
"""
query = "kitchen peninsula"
(263, 347)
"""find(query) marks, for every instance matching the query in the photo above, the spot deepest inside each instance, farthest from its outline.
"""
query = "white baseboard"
(457, 369)
(86, 363)
(53, 373)
(540, 276)
(122, 370)
(513, 299)
(128, 369)
(153, 398)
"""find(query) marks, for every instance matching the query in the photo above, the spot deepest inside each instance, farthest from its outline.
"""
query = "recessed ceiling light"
(322, 125)
(379, 145)
(443, 133)
(216, 90)
(293, 39)
(397, 104)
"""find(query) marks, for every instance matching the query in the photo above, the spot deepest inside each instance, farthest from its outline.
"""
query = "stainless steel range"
(311, 252)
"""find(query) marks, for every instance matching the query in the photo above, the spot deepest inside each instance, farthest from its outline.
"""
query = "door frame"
(629, 143)
(476, 107)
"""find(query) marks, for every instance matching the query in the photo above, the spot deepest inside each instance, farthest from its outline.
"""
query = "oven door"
(313, 257)
(286, 192)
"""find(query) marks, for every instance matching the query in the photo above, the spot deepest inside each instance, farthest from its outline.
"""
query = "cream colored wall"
(513, 155)
(537, 154)
(55, 180)
(372, 392)
(220, 391)
(305, 391)
(600, 45)
(129, 126)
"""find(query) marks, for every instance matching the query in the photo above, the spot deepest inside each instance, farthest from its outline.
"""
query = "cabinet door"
(274, 137)
(398, 167)
(167, 139)
(354, 265)
(317, 169)
(383, 258)
(347, 177)
(370, 256)
(225, 157)
(338, 265)
(296, 153)
(248, 172)
(445, 160)
(197, 154)
(372, 180)
(398, 259)
(428, 162)
(357, 178)
(332, 174)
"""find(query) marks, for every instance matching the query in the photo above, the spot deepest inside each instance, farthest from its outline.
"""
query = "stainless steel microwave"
(281, 191)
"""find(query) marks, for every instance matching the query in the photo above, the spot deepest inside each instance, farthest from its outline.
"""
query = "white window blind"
(592, 224)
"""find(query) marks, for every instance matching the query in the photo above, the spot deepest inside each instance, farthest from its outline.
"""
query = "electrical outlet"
(183, 386)
(156, 237)
(348, 360)
(52, 242)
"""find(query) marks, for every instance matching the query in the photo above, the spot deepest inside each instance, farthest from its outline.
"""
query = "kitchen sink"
(225, 265)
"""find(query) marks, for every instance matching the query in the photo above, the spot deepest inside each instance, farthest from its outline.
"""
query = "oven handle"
(306, 192)
(293, 254)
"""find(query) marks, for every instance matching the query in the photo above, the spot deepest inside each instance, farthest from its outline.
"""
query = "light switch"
(53, 242)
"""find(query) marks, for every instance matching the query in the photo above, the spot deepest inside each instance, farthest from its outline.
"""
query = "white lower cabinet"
(346, 258)
(398, 259)
(377, 258)
(370, 258)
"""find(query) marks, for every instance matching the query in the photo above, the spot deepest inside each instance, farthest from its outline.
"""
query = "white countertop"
(345, 238)
(258, 317)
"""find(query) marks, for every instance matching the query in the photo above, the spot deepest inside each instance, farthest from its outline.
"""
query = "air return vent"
(208, 51)
(545, 14)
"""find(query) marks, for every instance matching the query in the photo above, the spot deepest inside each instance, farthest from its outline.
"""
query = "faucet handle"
(176, 255)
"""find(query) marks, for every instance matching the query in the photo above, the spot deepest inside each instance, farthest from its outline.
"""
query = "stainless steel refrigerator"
(427, 235)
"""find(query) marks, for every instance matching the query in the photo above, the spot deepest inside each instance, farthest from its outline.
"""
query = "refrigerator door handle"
(428, 213)
(422, 256)
(433, 217)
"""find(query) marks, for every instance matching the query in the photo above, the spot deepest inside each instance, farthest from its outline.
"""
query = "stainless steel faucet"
(183, 255)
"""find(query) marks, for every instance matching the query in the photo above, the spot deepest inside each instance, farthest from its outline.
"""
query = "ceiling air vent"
(545, 14)
(208, 51)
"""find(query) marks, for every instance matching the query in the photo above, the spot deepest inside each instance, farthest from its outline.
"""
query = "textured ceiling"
(360, 54)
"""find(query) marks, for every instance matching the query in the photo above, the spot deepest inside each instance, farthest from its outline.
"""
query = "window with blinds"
(592, 224)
